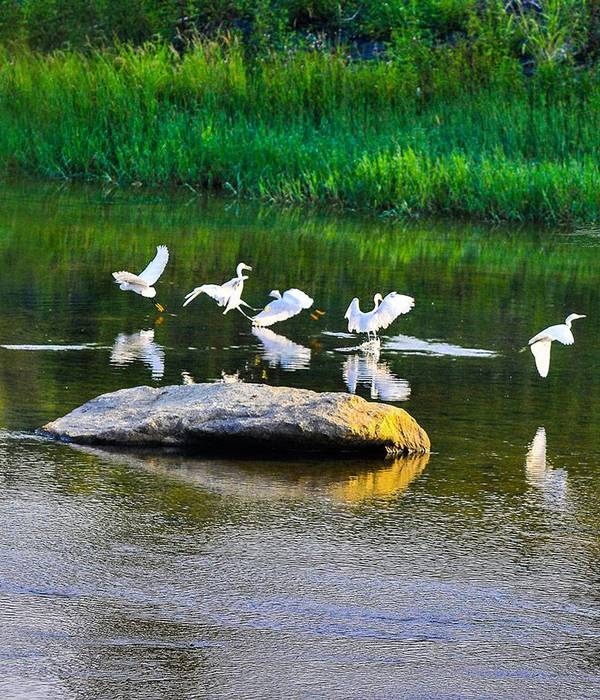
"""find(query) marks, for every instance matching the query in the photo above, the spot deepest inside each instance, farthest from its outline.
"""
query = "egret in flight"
(385, 312)
(228, 294)
(541, 343)
(144, 282)
(286, 305)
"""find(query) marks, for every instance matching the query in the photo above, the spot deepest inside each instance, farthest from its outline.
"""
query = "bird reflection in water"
(280, 351)
(367, 370)
(139, 347)
(552, 483)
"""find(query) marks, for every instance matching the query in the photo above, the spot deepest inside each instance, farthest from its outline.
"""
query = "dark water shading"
(472, 573)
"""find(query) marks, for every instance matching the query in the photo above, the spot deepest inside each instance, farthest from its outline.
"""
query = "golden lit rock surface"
(242, 416)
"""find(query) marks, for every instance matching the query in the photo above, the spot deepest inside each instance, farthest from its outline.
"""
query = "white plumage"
(228, 294)
(291, 303)
(541, 343)
(144, 282)
(385, 312)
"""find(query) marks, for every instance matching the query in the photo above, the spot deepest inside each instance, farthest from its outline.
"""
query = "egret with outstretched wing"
(144, 282)
(228, 294)
(286, 305)
(385, 312)
(541, 343)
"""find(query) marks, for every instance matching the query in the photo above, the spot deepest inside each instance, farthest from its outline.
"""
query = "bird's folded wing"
(155, 268)
(278, 310)
(391, 307)
(541, 353)
(129, 278)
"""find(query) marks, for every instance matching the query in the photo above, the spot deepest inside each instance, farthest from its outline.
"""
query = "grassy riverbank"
(460, 132)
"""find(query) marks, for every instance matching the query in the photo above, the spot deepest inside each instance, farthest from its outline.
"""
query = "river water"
(470, 573)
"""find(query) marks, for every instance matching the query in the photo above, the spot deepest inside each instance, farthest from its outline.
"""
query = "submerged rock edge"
(256, 417)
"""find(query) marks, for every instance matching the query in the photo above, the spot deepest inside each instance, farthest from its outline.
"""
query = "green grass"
(457, 135)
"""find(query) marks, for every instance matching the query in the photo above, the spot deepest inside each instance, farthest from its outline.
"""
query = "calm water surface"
(471, 573)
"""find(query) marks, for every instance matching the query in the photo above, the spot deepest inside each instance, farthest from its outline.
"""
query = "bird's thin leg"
(249, 307)
(244, 314)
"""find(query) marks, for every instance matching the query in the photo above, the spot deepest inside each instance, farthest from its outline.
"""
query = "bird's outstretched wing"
(124, 277)
(392, 306)
(541, 352)
(559, 332)
(299, 297)
(220, 293)
(353, 316)
(155, 268)
(352, 309)
(290, 304)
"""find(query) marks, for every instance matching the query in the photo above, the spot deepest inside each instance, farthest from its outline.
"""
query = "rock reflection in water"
(391, 479)
(552, 483)
(344, 481)
(139, 347)
(280, 351)
(367, 370)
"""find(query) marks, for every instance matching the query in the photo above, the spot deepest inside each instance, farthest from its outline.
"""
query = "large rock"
(242, 416)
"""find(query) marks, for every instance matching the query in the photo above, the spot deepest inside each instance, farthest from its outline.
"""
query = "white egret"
(144, 282)
(385, 312)
(286, 305)
(228, 294)
(541, 343)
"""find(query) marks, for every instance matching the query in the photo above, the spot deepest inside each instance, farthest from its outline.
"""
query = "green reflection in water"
(475, 287)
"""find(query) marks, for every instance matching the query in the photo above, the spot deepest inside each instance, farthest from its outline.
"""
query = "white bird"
(228, 294)
(144, 282)
(291, 303)
(541, 343)
(385, 312)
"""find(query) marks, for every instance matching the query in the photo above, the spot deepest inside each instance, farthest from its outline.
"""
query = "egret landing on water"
(541, 343)
(384, 313)
(291, 303)
(228, 294)
(143, 283)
